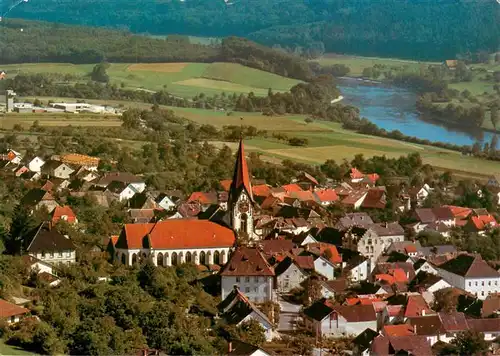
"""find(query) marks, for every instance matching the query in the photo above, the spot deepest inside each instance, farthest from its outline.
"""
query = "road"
(289, 314)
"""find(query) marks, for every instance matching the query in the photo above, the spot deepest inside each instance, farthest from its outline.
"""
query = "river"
(393, 108)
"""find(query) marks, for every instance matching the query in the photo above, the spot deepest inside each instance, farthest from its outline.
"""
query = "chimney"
(415, 328)
(144, 352)
(230, 347)
(423, 312)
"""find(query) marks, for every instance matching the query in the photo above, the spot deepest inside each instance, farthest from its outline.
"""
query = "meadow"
(327, 140)
(180, 79)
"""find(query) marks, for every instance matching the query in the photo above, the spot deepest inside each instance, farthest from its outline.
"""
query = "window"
(470, 284)
(265, 289)
(256, 279)
(43, 254)
(60, 254)
(237, 279)
(482, 293)
(247, 290)
(489, 283)
(52, 255)
(476, 284)
(482, 283)
(12, 319)
(324, 264)
(247, 279)
(68, 253)
(255, 290)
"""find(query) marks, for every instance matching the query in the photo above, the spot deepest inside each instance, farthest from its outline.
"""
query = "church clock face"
(243, 207)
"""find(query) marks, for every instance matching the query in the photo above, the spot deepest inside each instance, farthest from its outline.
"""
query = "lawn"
(357, 64)
(12, 350)
(180, 79)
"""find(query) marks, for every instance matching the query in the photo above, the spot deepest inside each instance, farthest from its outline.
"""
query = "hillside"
(180, 79)
(24, 41)
(419, 29)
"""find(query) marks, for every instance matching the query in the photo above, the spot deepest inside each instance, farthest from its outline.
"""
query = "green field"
(180, 79)
(12, 350)
(8, 121)
(326, 140)
(357, 64)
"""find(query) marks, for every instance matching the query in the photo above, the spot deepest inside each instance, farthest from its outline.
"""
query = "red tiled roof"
(417, 306)
(247, 261)
(459, 212)
(375, 199)
(61, 211)
(356, 313)
(482, 221)
(305, 262)
(310, 178)
(398, 330)
(453, 322)
(354, 196)
(203, 198)
(226, 184)
(292, 188)
(114, 239)
(8, 309)
(262, 190)
(411, 248)
(305, 195)
(356, 174)
(241, 176)
(269, 202)
(323, 247)
(327, 195)
(176, 234)
(395, 310)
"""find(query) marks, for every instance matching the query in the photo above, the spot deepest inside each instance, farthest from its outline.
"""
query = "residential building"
(175, 241)
(12, 156)
(325, 267)
(50, 246)
(10, 312)
(237, 308)
(64, 213)
(87, 162)
(433, 216)
(57, 169)
(37, 198)
(35, 165)
(414, 345)
(494, 181)
(326, 320)
(388, 232)
(326, 196)
(127, 179)
(371, 246)
(251, 273)
(472, 274)
(240, 348)
(419, 194)
(291, 272)
(362, 220)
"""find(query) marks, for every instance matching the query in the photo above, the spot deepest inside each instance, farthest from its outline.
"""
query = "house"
(481, 223)
(251, 273)
(37, 198)
(419, 194)
(84, 175)
(376, 198)
(326, 196)
(451, 64)
(291, 272)
(326, 320)
(175, 241)
(472, 274)
(10, 312)
(142, 216)
(425, 266)
(414, 345)
(35, 265)
(64, 213)
(392, 314)
(12, 156)
(363, 341)
(35, 165)
(362, 220)
(331, 288)
(371, 246)
(355, 199)
(31, 176)
(388, 232)
(325, 267)
(166, 202)
(87, 162)
(127, 179)
(57, 169)
(357, 268)
(491, 306)
(121, 190)
(427, 216)
(240, 348)
(49, 245)
(236, 308)
(142, 201)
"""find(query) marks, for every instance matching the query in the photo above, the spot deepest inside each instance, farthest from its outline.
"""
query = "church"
(177, 241)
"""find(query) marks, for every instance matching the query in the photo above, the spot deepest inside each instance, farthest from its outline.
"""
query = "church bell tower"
(240, 202)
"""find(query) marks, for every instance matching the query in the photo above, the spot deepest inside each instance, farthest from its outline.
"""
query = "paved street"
(288, 315)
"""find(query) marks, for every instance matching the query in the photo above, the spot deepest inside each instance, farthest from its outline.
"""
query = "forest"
(418, 29)
(31, 42)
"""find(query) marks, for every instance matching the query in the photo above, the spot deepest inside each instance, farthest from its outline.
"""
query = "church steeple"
(240, 202)
(241, 178)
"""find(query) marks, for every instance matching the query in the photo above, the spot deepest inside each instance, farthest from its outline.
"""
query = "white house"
(371, 246)
(57, 169)
(249, 271)
(122, 191)
(236, 309)
(50, 246)
(358, 270)
(420, 193)
(324, 267)
(327, 320)
(10, 312)
(388, 232)
(12, 156)
(165, 202)
(425, 266)
(290, 273)
(175, 241)
(35, 265)
(35, 165)
(472, 274)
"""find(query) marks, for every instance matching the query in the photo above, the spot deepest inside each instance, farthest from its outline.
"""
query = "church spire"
(241, 178)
